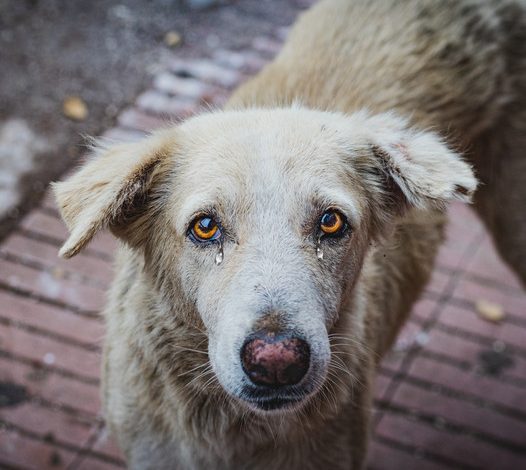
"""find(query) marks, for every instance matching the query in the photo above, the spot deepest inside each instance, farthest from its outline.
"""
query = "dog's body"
(457, 67)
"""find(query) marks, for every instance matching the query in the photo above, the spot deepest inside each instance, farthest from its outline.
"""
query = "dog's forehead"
(258, 159)
(261, 148)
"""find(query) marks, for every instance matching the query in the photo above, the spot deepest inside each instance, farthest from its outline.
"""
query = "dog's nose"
(275, 360)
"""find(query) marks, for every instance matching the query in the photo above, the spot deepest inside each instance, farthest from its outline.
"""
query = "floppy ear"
(416, 169)
(110, 190)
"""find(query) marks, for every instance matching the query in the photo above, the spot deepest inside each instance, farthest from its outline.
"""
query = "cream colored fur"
(361, 111)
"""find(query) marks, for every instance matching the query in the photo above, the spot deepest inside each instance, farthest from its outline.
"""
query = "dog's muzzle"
(275, 364)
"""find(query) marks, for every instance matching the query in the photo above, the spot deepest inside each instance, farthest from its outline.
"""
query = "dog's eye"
(204, 229)
(332, 222)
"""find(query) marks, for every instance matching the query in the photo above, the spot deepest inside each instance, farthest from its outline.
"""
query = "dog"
(272, 250)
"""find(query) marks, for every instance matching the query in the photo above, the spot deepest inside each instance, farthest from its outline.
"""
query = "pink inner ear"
(402, 148)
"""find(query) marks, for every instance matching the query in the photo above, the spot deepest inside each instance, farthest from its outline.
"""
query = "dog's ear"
(410, 168)
(110, 190)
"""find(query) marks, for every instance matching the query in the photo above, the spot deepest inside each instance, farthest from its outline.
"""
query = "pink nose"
(275, 360)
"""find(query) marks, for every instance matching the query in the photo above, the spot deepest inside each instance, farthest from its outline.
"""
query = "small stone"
(49, 359)
(172, 39)
(489, 311)
(422, 338)
(75, 108)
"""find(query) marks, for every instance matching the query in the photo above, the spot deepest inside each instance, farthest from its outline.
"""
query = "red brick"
(461, 232)
(457, 447)
(45, 224)
(103, 242)
(206, 70)
(393, 361)
(107, 445)
(463, 222)
(159, 103)
(52, 286)
(52, 386)
(36, 347)
(247, 61)
(461, 412)
(449, 257)
(187, 87)
(384, 457)
(467, 320)
(51, 226)
(92, 463)
(381, 384)
(21, 451)
(468, 382)
(48, 201)
(28, 249)
(489, 265)
(282, 32)
(467, 349)
(134, 118)
(473, 292)
(31, 312)
(268, 47)
(119, 134)
(410, 337)
(424, 309)
(438, 282)
(47, 423)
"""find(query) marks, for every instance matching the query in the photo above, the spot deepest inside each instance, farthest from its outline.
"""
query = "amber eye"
(205, 228)
(332, 222)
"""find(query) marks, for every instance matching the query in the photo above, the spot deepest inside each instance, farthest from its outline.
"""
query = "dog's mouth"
(272, 404)
(273, 399)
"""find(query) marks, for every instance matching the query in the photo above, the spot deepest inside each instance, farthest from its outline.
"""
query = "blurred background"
(452, 394)
(68, 67)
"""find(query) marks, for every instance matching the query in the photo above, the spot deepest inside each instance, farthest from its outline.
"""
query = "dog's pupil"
(206, 224)
(328, 219)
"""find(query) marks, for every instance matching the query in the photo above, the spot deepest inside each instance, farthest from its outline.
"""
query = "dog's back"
(458, 67)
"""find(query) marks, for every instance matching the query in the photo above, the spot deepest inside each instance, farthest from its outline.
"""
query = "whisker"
(182, 348)
(206, 364)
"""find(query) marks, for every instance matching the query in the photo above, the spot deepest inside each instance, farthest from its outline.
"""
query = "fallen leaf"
(75, 108)
(172, 38)
(489, 311)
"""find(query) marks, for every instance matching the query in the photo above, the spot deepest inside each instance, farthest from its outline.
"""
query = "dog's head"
(259, 221)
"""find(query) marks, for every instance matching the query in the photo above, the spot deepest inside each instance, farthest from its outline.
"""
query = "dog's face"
(260, 221)
(271, 234)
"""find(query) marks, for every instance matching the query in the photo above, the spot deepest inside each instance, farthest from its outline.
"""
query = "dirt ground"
(103, 52)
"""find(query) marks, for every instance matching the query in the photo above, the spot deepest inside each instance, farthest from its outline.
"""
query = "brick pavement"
(450, 395)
